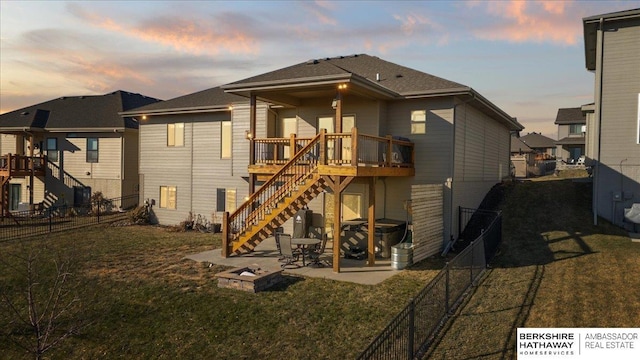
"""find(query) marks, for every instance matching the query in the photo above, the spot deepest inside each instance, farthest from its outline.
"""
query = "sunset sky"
(527, 57)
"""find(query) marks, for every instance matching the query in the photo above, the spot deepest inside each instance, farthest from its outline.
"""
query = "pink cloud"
(182, 34)
(322, 11)
(539, 21)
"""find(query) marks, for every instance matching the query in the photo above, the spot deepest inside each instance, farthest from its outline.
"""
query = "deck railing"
(279, 186)
(11, 164)
(350, 148)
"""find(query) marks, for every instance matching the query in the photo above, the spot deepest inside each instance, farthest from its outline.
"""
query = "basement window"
(168, 197)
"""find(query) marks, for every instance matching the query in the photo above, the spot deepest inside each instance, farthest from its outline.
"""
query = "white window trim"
(229, 151)
(418, 122)
(166, 197)
(638, 137)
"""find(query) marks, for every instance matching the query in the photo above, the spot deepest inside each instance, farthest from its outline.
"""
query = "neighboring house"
(544, 147)
(612, 52)
(61, 151)
(347, 137)
(572, 129)
(522, 157)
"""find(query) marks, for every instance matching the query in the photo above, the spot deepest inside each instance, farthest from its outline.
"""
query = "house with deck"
(353, 139)
(572, 130)
(612, 53)
(62, 150)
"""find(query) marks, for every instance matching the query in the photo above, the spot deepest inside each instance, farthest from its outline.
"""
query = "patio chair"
(315, 253)
(289, 255)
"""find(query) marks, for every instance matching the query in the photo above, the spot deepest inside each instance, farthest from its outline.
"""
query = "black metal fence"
(410, 333)
(64, 217)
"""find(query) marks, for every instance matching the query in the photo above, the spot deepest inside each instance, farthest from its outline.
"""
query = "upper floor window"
(168, 197)
(52, 149)
(576, 129)
(92, 150)
(225, 140)
(175, 134)
(419, 121)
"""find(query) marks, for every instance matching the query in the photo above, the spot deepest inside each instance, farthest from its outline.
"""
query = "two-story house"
(572, 129)
(60, 151)
(347, 137)
(612, 53)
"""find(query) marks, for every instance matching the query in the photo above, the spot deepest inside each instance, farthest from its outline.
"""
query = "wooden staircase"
(277, 200)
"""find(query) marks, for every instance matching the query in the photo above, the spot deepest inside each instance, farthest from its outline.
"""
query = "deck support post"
(337, 183)
(252, 143)
(337, 214)
(225, 235)
(31, 172)
(371, 216)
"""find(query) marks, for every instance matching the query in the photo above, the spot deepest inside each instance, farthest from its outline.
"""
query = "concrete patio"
(266, 256)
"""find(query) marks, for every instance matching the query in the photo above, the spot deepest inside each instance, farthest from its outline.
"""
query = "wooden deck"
(343, 154)
(21, 165)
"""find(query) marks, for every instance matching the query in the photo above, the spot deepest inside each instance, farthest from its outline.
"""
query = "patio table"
(305, 243)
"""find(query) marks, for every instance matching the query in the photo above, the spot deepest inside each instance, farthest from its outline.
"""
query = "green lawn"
(555, 269)
(141, 299)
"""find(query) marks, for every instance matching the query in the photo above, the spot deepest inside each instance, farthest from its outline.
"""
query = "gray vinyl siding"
(240, 145)
(432, 149)
(196, 169)
(619, 169)
(481, 161)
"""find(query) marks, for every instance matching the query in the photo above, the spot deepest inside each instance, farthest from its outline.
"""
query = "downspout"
(598, 102)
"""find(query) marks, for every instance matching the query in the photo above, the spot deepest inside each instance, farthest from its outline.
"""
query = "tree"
(39, 301)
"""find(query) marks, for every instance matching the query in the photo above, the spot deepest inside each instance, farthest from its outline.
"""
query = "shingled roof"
(538, 141)
(399, 79)
(370, 75)
(517, 146)
(202, 100)
(570, 116)
(77, 113)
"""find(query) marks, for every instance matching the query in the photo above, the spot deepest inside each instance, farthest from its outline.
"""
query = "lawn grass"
(555, 269)
(144, 300)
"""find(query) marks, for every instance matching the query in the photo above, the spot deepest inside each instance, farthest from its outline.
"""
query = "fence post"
(412, 315)
(98, 211)
(50, 218)
(446, 288)
(473, 261)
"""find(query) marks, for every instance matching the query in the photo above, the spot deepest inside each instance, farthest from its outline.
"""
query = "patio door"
(288, 126)
(328, 123)
(14, 196)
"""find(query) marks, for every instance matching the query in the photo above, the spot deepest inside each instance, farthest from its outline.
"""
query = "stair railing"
(282, 184)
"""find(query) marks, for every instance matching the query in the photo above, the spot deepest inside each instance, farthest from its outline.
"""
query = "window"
(575, 129)
(351, 206)
(225, 142)
(52, 149)
(419, 121)
(175, 134)
(168, 196)
(226, 200)
(92, 150)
